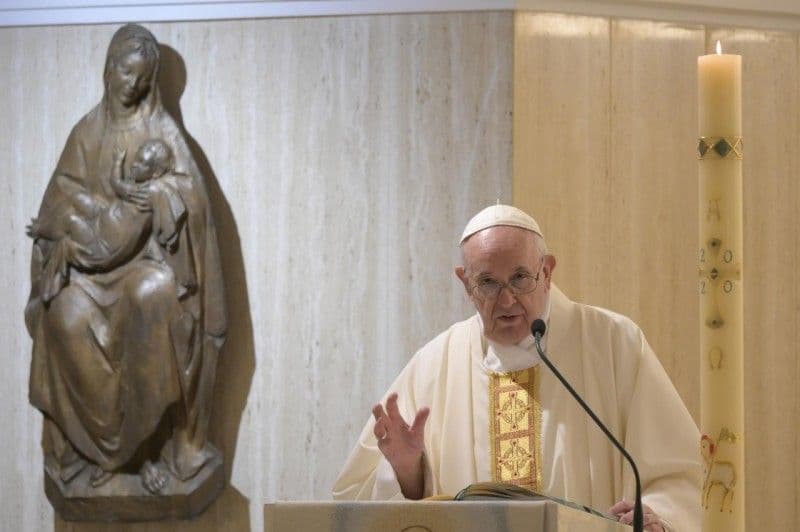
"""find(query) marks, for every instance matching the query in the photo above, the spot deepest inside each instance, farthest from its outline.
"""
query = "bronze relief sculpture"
(127, 308)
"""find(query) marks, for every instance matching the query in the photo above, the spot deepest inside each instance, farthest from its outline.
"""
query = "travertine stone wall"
(345, 155)
(605, 130)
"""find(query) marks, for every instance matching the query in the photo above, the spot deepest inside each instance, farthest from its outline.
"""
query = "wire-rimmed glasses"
(522, 282)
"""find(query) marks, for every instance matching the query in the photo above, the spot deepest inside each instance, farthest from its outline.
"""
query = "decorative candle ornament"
(720, 261)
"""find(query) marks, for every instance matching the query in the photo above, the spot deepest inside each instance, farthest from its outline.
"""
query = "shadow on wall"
(231, 511)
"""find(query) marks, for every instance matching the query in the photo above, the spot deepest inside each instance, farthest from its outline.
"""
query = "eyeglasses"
(487, 288)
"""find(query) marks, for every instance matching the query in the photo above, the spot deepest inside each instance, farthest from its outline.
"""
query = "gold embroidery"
(515, 427)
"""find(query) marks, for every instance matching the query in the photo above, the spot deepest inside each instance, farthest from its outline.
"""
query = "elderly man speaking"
(482, 407)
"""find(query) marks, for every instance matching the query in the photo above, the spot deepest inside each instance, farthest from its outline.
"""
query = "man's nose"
(506, 297)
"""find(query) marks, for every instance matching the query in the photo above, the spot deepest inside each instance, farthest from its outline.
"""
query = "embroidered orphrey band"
(515, 428)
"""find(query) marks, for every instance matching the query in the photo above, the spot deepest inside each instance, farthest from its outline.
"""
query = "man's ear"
(548, 267)
(462, 275)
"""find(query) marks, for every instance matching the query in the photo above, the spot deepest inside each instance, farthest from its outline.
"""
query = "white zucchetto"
(500, 215)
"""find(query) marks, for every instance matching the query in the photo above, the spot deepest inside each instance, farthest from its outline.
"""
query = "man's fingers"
(653, 521)
(392, 409)
(621, 507)
(650, 519)
(380, 429)
(377, 412)
(419, 420)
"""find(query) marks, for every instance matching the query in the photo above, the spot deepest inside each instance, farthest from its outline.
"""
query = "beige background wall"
(346, 153)
(605, 129)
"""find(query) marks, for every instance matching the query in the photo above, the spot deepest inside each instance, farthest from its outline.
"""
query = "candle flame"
(719, 48)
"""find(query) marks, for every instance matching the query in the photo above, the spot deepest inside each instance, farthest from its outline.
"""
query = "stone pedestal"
(79, 501)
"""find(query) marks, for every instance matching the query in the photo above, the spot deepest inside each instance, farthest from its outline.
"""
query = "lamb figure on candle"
(717, 472)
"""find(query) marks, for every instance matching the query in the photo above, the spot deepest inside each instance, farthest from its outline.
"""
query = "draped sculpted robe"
(116, 348)
(606, 358)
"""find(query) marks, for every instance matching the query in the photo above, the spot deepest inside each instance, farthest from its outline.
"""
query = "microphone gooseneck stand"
(537, 329)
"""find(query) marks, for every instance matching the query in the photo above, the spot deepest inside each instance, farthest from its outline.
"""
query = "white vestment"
(607, 360)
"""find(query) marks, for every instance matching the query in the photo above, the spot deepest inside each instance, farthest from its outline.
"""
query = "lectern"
(433, 516)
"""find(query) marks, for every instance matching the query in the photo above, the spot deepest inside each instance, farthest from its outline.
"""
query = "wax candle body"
(720, 263)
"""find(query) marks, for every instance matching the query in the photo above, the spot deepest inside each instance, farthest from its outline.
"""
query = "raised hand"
(402, 445)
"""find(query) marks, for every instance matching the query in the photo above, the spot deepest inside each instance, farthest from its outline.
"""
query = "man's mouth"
(508, 318)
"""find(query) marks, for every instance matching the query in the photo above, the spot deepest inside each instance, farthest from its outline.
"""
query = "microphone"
(538, 328)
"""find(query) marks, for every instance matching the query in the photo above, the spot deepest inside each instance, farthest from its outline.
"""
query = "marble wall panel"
(344, 156)
(652, 215)
(36, 109)
(603, 157)
(561, 136)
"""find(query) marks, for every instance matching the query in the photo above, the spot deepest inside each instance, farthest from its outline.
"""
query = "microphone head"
(538, 327)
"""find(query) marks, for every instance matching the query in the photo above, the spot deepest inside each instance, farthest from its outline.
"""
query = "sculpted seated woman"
(125, 352)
